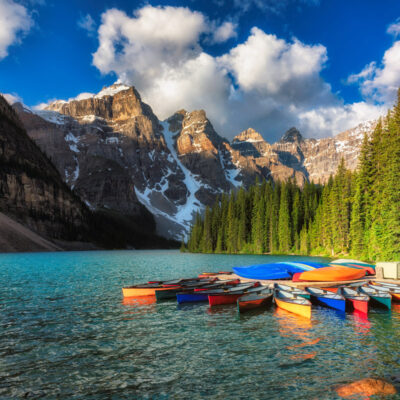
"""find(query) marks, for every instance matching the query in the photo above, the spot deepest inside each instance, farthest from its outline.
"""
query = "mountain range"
(114, 154)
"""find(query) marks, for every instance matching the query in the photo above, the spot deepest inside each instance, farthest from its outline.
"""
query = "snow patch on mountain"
(52, 116)
(187, 211)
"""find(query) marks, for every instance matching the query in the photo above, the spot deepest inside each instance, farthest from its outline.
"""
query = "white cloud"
(380, 83)
(268, 64)
(322, 121)
(394, 28)
(87, 23)
(15, 21)
(264, 82)
(12, 98)
(40, 106)
(224, 32)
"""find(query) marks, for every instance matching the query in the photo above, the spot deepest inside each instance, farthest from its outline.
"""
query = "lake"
(67, 333)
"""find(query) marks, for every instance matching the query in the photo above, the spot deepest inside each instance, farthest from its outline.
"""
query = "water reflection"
(298, 329)
(362, 325)
(138, 306)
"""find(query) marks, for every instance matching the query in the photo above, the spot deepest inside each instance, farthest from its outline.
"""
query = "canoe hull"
(396, 297)
(332, 274)
(167, 294)
(216, 300)
(385, 302)
(358, 305)
(142, 292)
(299, 309)
(252, 304)
(331, 303)
(191, 297)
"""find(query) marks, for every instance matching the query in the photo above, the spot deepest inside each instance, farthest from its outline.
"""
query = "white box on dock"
(391, 270)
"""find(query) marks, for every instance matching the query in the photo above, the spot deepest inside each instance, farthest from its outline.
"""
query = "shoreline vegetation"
(355, 214)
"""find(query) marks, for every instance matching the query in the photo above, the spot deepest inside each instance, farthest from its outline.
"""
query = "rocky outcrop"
(364, 388)
(31, 189)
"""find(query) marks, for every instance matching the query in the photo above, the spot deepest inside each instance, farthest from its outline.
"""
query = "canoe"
(208, 274)
(191, 297)
(140, 291)
(282, 270)
(198, 296)
(201, 294)
(387, 284)
(292, 289)
(377, 297)
(218, 284)
(327, 298)
(369, 269)
(332, 274)
(171, 294)
(230, 296)
(392, 288)
(357, 300)
(293, 303)
(254, 300)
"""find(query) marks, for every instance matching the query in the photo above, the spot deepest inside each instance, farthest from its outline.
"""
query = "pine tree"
(284, 230)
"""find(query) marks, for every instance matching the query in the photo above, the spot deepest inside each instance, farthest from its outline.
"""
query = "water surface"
(66, 332)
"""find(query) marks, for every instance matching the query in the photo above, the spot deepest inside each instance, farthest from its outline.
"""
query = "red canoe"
(230, 296)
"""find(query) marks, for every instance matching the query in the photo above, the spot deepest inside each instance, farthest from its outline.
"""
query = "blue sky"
(293, 69)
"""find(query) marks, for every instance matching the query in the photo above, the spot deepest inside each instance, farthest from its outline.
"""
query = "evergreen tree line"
(354, 213)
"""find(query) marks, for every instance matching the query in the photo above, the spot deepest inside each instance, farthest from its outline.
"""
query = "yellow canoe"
(143, 291)
(332, 274)
(302, 308)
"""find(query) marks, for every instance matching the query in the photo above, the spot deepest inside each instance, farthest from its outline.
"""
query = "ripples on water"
(66, 332)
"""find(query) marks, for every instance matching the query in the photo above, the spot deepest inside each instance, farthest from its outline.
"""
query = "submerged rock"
(366, 387)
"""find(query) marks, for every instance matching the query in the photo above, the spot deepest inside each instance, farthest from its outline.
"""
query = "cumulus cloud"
(338, 118)
(87, 23)
(380, 83)
(394, 28)
(265, 82)
(271, 66)
(225, 32)
(12, 98)
(15, 21)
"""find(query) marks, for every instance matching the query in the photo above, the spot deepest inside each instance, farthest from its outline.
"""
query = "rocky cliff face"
(31, 189)
(114, 152)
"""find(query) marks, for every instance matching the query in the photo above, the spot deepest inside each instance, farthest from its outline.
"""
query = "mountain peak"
(292, 135)
(249, 135)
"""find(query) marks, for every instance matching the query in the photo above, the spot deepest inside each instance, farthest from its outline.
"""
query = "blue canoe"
(327, 299)
(280, 270)
(191, 297)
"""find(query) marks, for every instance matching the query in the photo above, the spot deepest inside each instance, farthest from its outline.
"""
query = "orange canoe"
(143, 291)
(332, 274)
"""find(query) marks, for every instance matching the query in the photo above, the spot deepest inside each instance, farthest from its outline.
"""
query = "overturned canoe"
(254, 300)
(293, 303)
(332, 274)
(282, 270)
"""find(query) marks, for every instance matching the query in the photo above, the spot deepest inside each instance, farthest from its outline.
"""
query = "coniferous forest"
(354, 213)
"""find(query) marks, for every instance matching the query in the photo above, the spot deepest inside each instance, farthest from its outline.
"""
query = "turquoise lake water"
(67, 333)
